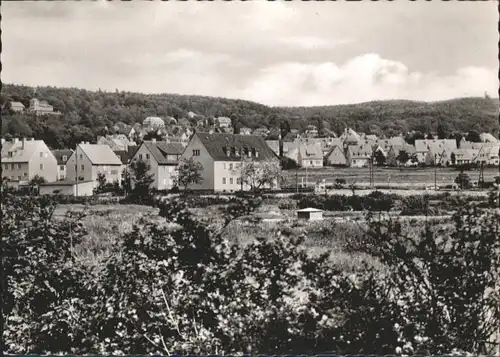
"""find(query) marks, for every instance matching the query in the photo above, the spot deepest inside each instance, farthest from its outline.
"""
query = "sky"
(275, 53)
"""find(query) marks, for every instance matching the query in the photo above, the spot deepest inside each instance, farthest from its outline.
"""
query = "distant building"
(221, 156)
(163, 157)
(466, 156)
(359, 155)
(430, 148)
(153, 123)
(24, 159)
(245, 131)
(117, 142)
(62, 157)
(393, 154)
(40, 107)
(310, 155)
(350, 137)
(17, 107)
(223, 122)
(90, 160)
(336, 156)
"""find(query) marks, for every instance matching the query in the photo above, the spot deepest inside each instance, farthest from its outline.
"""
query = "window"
(10, 153)
(25, 174)
(196, 152)
(41, 166)
(19, 178)
(81, 156)
(65, 158)
(238, 181)
(310, 162)
(224, 165)
(223, 180)
(41, 154)
(140, 156)
(147, 156)
(12, 166)
(61, 167)
(114, 172)
(231, 180)
(230, 167)
(18, 166)
(82, 167)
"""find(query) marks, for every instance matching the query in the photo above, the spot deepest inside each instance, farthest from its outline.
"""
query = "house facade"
(358, 155)
(310, 155)
(40, 107)
(393, 154)
(222, 157)
(433, 148)
(24, 159)
(90, 160)
(163, 158)
(336, 157)
(17, 107)
(62, 157)
(223, 122)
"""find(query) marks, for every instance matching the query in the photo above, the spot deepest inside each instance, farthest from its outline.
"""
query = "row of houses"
(358, 150)
(76, 171)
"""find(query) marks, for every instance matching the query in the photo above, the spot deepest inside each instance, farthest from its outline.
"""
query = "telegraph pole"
(76, 169)
(297, 179)
(435, 172)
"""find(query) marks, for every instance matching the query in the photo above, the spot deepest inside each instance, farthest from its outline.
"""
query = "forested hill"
(86, 113)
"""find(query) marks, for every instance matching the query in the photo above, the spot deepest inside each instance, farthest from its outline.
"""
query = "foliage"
(463, 180)
(379, 158)
(403, 157)
(189, 172)
(375, 201)
(101, 180)
(259, 174)
(444, 282)
(44, 297)
(141, 177)
(417, 205)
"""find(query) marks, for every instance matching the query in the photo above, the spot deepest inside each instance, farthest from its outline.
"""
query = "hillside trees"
(95, 110)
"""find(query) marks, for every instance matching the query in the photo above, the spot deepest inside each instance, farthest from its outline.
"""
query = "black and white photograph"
(250, 178)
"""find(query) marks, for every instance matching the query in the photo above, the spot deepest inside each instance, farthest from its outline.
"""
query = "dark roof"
(215, 144)
(126, 155)
(59, 155)
(161, 149)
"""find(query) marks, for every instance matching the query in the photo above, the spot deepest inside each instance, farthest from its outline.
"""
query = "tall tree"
(142, 177)
(189, 172)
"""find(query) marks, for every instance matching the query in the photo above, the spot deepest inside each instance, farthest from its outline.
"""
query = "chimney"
(32, 139)
(3, 141)
(23, 143)
(15, 140)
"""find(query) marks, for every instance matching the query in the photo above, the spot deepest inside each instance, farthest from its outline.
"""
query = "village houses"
(359, 155)
(89, 160)
(310, 155)
(26, 158)
(336, 156)
(163, 158)
(431, 150)
(62, 157)
(222, 155)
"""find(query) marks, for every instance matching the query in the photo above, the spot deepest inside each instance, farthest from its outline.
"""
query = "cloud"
(363, 78)
(278, 53)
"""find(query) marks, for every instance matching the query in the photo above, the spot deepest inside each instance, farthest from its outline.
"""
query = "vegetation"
(175, 284)
(189, 172)
(141, 177)
(258, 175)
(86, 114)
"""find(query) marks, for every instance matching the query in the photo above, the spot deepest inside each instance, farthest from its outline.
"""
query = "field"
(393, 177)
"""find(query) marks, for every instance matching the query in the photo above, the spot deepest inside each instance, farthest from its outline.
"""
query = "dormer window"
(65, 158)
(10, 153)
(253, 152)
(233, 151)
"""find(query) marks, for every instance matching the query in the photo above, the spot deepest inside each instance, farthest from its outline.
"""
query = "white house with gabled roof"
(88, 160)
(26, 158)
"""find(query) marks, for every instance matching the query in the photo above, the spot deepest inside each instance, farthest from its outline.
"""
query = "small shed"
(310, 214)
(67, 187)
